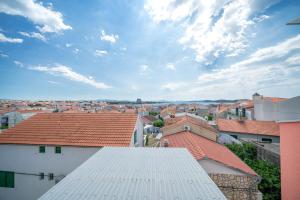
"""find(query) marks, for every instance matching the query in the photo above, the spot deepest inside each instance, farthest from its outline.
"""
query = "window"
(234, 136)
(7, 179)
(266, 140)
(57, 149)
(134, 137)
(243, 112)
(51, 176)
(42, 149)
(42, 176)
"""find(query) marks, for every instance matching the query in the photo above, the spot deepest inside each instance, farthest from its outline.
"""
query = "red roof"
(276, 99)
(202, 148)
(198, 122)
(249, 126)
(148, 119)
(33, 111)
(73, 129)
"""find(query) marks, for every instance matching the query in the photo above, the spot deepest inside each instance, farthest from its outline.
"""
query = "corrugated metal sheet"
(137, 173)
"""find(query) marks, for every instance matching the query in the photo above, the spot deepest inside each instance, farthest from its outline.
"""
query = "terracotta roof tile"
(186, 118)
(249, 126)
(73, 129)
(275, 99)
(202, 148)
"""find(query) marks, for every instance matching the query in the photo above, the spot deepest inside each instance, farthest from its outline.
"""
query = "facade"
(39, 152)
(276, 109)
(261, 131)
(137, 173)
(290, 159)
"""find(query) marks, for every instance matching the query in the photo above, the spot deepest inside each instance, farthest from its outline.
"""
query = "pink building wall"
(290, 160)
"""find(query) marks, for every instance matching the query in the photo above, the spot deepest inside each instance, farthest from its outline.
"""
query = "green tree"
(153, 113)
(270, 173)
(158, 123)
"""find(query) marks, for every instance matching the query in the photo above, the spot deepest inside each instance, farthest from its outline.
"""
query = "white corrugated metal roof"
(137, 173)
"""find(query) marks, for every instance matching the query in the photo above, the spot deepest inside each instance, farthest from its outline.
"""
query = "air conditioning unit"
(187, 128)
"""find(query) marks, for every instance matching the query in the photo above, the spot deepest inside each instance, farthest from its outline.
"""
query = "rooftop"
(196, 121)
(249, 126)
(275, 99)
(137, 173)
(73, 129)
(202, 148)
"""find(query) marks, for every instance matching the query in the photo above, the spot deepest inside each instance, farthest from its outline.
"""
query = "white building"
(42, 150)
(276, 109)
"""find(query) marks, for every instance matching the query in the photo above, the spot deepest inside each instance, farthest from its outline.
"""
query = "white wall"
(140, 133)
(213, 167)
(266, 110)
(255, 137)
(27, 159)
(13, 118)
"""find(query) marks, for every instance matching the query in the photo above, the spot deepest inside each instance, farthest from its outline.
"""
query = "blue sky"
(154, 50)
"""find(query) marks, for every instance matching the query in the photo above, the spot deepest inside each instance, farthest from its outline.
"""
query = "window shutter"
(57, 149)
(2, 179)
(42, 149)
(10, 179)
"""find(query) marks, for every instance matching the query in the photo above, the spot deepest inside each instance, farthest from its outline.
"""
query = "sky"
(152, 49)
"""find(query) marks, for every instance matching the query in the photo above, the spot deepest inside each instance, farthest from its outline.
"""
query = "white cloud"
(34, 35)
(47, 19)
(268, 68)
(19, 63)
(277, 51)
(134, 87)
(68, 45)
(212, 28)
(261, 18)
(3, 38)
(100, 53)
(123, 48)
(173, 85)
(294, 60)
(67, 72)
(76, 51)
(144, 69)
(109, 38)
(53, 82)
(170, 66)
(2, 55)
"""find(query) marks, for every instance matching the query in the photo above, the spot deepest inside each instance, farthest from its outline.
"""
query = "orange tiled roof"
(170, 121)
(201, 148)
(33, 111)
(170, 110)
(249, 126)
(192, 120)
(247, 104)
(275, 99)
(73, 129)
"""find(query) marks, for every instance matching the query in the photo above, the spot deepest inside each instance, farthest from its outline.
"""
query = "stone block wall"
(237, 187)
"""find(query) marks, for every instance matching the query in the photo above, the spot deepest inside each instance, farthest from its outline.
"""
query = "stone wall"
(236, 187)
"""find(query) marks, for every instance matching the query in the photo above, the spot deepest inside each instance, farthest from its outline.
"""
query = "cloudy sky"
(154, 50)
